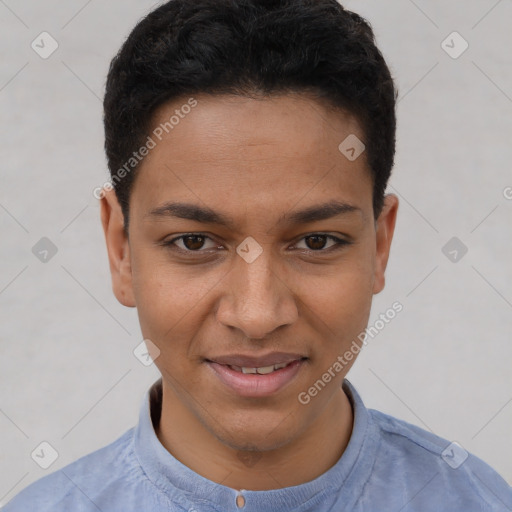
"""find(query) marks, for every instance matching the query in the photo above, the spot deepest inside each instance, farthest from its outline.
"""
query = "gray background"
(68, 373)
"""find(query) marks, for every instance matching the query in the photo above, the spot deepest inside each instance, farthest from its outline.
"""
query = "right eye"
(190, 243)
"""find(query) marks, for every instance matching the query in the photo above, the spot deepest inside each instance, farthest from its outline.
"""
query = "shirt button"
(240, 501)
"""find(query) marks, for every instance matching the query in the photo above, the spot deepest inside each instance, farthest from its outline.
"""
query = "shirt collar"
(188, 488)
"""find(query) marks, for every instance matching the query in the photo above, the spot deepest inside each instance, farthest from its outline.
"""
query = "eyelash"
(339, 243)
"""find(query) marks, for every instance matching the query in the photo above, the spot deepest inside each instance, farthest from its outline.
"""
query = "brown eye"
(193, 242)
(190, 243)
(317, 242)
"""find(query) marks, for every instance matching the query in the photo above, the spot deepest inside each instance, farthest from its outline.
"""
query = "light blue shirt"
(388, 465)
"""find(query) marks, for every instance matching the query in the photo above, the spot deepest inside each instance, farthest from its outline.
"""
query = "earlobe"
(384, 235)
(118, 248)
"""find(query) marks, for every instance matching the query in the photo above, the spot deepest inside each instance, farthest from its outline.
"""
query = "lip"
(256, 385)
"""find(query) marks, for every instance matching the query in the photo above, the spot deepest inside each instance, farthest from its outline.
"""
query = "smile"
(252, 378)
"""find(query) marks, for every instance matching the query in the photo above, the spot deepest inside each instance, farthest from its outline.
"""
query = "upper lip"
(256, 362)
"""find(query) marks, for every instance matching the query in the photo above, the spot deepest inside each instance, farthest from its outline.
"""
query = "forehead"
(295, 122)
(235, 150)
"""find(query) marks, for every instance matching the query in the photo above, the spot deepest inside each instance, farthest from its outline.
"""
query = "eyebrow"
(206, 215)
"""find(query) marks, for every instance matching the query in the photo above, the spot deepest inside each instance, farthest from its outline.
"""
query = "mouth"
(262, 370)
(257, 377)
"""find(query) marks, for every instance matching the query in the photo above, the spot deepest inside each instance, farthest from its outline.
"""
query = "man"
(250, 143)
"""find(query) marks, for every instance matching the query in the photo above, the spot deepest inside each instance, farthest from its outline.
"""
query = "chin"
(263, 443)
(258, 435)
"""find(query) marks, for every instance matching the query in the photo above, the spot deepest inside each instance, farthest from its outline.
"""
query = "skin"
(255, 161)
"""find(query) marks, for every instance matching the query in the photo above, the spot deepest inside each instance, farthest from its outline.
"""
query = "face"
(252, 243)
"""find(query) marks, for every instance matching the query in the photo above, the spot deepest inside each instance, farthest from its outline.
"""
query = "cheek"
(172, 301)
(161, 295)
(339, 304)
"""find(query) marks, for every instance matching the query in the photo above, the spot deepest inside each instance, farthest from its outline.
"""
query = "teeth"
(263, 370)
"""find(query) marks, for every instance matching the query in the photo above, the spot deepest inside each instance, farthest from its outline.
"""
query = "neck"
(303, 459)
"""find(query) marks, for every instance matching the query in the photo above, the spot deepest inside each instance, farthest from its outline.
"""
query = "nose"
(257, 300)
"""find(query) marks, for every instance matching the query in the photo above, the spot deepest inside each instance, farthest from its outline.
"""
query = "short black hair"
(248, 47)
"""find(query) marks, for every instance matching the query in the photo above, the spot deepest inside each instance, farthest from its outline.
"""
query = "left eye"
(318, 241)
(194, 242)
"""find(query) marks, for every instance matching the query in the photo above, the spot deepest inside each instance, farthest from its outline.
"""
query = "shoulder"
(79, 485)
(445, 469)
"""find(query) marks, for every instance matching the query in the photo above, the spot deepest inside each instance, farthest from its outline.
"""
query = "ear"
(385, 227)
(118, 248)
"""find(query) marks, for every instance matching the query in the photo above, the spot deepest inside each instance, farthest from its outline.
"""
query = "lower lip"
(255, 385)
